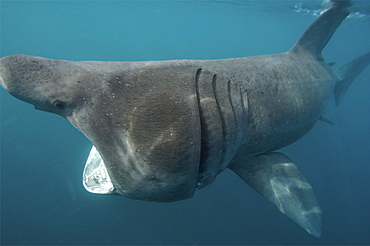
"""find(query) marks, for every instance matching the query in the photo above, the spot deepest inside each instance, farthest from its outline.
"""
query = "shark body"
(162, 129)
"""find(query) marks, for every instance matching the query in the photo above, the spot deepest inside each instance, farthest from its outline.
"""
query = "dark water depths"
(42, 155)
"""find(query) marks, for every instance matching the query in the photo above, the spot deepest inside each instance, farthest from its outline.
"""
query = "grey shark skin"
(166, 128)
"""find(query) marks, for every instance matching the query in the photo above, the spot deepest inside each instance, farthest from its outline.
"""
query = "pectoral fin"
(326, 118)
(278, 180)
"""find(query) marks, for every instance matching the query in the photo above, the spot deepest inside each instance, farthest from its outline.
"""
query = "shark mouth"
(95, 176)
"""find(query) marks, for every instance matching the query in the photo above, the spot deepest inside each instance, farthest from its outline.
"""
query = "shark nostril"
(59, 104)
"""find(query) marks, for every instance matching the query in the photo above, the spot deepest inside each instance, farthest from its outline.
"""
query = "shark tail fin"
(321, 30)
(348, 73)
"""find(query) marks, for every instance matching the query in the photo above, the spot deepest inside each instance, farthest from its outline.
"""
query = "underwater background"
(43, 155)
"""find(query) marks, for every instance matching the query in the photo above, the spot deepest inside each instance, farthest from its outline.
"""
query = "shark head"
(147, 133)
(40, 83)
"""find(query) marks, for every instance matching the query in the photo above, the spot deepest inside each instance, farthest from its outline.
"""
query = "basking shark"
(163, 129)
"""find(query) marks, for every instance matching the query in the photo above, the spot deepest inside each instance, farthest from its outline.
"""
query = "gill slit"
(245, 103)
(223, 123)
(201, 117)
(232, 105)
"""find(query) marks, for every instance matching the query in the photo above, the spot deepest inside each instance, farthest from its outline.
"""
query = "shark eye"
(59, 104)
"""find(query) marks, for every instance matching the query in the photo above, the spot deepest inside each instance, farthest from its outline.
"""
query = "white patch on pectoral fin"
(279, 180)
(95, 176)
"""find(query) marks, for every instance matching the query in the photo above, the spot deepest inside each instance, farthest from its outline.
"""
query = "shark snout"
(2, 75)
(13, 80)
(2, 83)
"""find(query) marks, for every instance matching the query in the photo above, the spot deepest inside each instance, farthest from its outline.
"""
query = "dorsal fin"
(320, 31)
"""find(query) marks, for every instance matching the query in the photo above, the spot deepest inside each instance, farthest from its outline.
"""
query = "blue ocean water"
(42, 155)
